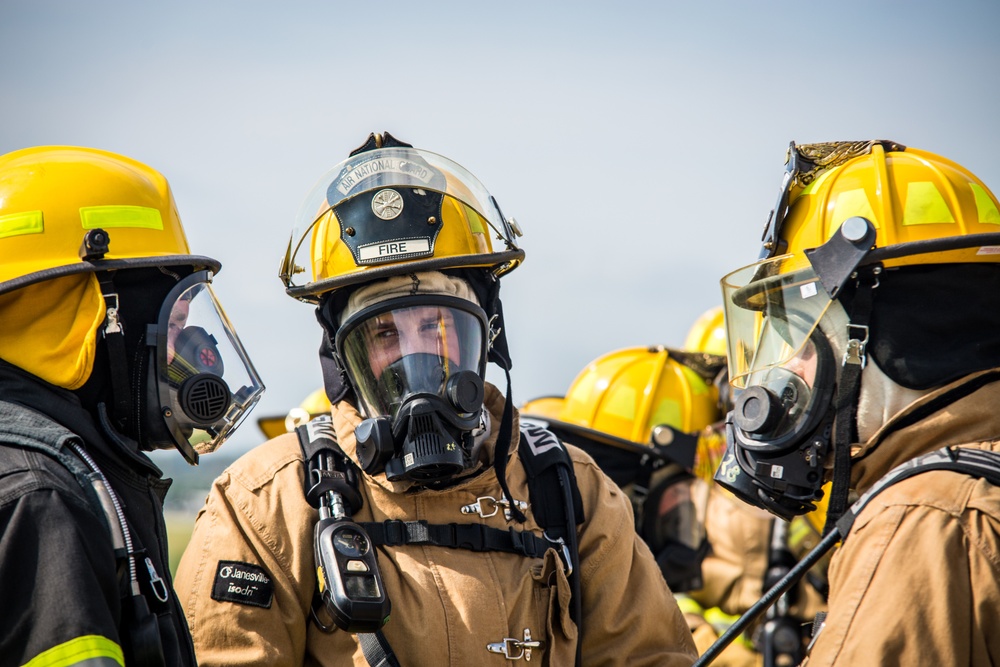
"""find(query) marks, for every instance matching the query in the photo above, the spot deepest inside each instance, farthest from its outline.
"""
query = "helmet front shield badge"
(206, 384)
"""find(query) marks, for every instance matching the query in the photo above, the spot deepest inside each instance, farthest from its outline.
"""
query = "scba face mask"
(674, 527)
(783, 366)
(203, 383)
(417, 366)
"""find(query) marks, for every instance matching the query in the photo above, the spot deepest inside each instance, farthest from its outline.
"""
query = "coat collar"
(959, 414)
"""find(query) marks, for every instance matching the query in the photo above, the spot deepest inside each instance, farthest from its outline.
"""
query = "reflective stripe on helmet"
(141, 217)
(16, 224)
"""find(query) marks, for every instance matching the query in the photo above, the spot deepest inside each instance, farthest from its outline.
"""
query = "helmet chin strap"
(845, 404)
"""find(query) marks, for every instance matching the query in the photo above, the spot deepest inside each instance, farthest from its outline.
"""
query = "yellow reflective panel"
(852, 203)
(17, 224)
(988, 213)
(476, 225)
(89, 649)
(925, 205)
(621, 403)
(668, 411)
(142, 217)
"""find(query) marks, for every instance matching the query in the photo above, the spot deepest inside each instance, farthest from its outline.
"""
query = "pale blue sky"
(640, 145)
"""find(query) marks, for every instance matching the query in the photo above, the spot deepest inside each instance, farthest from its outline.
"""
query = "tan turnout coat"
(447, 604)
(917, 582)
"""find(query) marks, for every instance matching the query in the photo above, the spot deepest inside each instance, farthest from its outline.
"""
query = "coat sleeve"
(58, 584)
(630, 616)
(243, 582)
(916, 581)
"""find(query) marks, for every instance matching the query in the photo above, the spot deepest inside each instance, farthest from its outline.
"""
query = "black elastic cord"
(846, 410)
(502, 451)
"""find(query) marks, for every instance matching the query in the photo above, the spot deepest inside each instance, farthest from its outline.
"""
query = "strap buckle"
(855, 353)
(112, 323)
(515, 649)
(567, 559)
(479, 508)
(156, 582)
(494, 330)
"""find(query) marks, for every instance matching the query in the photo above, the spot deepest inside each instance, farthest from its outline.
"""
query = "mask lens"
(674, 527)
(680, 513)
(205, 378)
(394, 353)
(792, 384)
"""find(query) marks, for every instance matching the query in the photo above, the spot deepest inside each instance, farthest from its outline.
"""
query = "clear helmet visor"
(206, 383)
(771, 311)
(393, 351)
(388, 171)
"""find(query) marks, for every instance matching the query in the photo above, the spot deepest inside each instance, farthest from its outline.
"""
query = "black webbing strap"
(567, 481)
(470, 536)
(846, 401)
(556, 504)
(502, 451)
(541, 453)
(117, 360)
(377, 651)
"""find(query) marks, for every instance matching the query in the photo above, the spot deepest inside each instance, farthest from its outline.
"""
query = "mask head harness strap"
(114, 335)
(94, 247)
(848, 391)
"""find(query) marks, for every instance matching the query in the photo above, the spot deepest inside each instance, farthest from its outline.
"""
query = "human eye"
(386, 334)
(430, 326)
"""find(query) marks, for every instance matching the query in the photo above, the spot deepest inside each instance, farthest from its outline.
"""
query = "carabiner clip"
(565, 552)
(157, 584)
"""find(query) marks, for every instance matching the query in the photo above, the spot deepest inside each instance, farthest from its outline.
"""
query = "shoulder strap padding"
(328, 468)
(68, 459)
(541, 454)
(979, 463)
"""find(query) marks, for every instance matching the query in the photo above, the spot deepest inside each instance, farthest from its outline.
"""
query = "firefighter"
(638, 411)
(750, 548)
(865, 339)
(421, 523)
(112, 344)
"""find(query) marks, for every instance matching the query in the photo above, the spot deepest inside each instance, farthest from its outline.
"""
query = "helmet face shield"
(392, 206)
(206, 384)
(779, 319)
(771, 313)
(398, 349)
